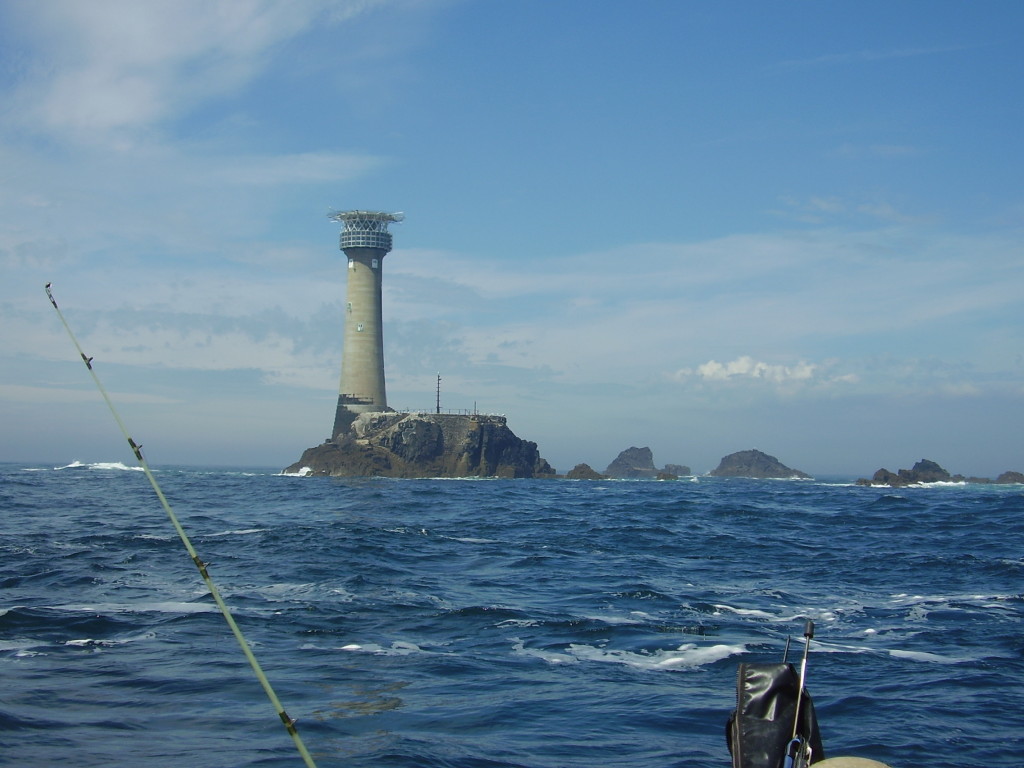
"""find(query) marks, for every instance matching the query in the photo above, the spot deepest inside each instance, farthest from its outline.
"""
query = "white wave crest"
(686, 656)
(154, 607)
(397, 648)
(239, 532)
(745, 612)
(89, 642)
(821, 614)
(924, 656)
(114, 465)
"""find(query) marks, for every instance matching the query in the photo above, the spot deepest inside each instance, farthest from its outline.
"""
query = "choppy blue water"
(542, 624)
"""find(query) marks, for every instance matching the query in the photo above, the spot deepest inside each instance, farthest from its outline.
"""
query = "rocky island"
(393, 444)
(928, 471)
(638, 463)
(755, 464)
(584, 472)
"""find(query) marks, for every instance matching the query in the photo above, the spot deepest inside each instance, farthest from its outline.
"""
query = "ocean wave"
(752, 612)
(160, 606)
(18, 644)
(563, 606)
(88, 642)
(238, 532)
(397, 648)
(686, 656)
(633, 618)
(471, 539)
(928, 657)
(985, 600)
(108, 465)
(935, 484)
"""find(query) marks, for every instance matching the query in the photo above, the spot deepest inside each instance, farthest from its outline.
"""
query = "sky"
(697, 227)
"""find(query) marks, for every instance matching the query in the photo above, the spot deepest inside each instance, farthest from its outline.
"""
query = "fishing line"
(289, 723)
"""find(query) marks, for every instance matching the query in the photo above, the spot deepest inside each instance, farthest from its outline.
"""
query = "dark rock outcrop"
(927, 471)
(638, 463)
(425, 445)
(754, 463)
(679, 470)
(924, 471)
(633, 463)
(584, 472)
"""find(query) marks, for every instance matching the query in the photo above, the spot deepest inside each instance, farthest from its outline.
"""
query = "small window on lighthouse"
(351, 263)
(375, 263)
(359, 327)
(348, 307)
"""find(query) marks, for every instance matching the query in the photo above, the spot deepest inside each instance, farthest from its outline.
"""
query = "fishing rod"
(798, 753)
(289, 723)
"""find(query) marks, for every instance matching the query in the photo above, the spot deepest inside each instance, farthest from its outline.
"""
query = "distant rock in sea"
(391, 444)
(927, 471)
(679, 470)
(638, 463)
(584, 472)
(924, 471)
(754, 463)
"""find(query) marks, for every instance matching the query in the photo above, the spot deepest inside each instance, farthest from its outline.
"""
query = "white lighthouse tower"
(365, 240)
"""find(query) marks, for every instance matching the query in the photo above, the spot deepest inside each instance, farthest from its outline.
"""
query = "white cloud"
(117, 67)
(747, 368)
(95, 168)
(802, 312)
(811, 311)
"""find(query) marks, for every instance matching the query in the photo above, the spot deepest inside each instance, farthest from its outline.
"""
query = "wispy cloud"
(866, 56)
(304, 168)
(764, 309)
(116, 68)
(833, 209)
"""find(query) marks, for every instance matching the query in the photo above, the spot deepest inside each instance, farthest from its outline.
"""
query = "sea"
(499, 623)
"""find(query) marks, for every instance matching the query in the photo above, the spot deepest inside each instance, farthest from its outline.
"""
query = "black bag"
(761, 727)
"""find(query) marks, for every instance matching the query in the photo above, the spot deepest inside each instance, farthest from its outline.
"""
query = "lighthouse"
(365, 240)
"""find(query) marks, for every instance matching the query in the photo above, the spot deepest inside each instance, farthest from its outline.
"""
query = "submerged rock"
(754, 463)
(425, 445)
